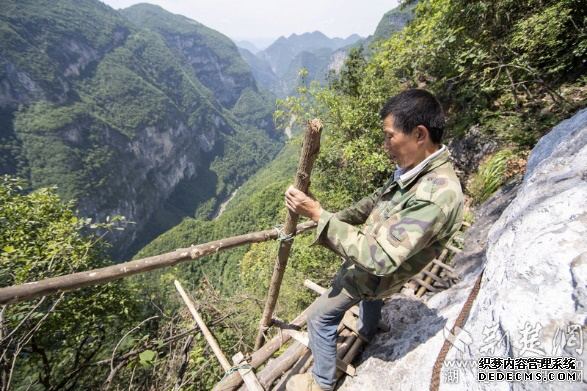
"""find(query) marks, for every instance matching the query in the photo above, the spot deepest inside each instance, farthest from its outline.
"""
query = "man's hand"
(300, 203)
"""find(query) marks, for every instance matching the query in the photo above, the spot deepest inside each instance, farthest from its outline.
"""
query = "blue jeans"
(324, 316)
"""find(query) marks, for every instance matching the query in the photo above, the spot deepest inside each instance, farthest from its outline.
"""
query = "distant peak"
(147, 5)
(318, 33)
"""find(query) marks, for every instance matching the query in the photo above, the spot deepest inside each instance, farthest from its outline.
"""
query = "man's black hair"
(414, 107)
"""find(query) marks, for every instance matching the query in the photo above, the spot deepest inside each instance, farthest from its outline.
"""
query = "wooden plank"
(248, 375)
(209, 337)
(31, 290)
(310, 149)
(354, 309)
(350, 322)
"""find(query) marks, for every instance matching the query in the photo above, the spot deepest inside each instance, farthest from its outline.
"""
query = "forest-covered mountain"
(505, 72)
(247, 45)
(392, 22)
(119, 110)
(280, 53)
(277, 67)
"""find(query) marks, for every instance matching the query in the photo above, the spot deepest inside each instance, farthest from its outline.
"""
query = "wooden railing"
(49, 286)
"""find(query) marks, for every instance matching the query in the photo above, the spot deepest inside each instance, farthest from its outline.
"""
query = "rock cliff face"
(530, 241)
(117, 112)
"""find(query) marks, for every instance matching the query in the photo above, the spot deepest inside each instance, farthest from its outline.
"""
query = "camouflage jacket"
(405, 224)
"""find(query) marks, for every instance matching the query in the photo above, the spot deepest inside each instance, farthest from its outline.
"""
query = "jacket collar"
(433, 161)
(436, 159)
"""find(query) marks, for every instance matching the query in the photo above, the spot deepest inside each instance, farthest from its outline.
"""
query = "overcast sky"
(262, 22)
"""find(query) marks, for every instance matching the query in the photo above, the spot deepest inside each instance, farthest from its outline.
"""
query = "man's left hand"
(298, 202)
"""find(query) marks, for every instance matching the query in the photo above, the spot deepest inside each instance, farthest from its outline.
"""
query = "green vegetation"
(87, 21)
(118, 94)
(495, 172)
(49, 343)
(218, 45)
(489, 63)
(393, 21)
(257, 205)
(472, 57)
(513, 68)
(235, 281)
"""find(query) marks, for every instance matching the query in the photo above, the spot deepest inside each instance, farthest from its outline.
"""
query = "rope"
(282, 236)
(435, 379)
(235, 368)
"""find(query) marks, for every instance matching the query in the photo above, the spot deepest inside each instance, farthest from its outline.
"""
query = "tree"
(49, 343)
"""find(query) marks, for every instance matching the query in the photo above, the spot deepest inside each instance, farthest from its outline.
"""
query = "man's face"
(400, 147)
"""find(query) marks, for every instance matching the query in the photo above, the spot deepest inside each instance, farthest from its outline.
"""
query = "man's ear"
(421, 133)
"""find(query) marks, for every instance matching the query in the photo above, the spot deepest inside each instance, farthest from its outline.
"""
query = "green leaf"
(146, 358)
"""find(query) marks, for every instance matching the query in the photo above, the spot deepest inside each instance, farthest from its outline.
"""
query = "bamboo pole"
(352, 352)
(346, 345)
(341, 348)
(209, 337)
(31, 290)
(307, 365)
(310, 150)
(444, 266)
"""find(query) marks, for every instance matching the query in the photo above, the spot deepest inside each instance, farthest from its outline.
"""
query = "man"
(405, 225)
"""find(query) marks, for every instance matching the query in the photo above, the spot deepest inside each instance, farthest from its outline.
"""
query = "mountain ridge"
(118, 117)
(277, 66)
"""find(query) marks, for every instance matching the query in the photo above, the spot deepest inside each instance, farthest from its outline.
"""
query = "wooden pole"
(49, 286)
(233, 381)
(276, 368)
(209, 337)
(302, 337)
(251, 381)
(310, 150)
(294, 371)
(425, 284)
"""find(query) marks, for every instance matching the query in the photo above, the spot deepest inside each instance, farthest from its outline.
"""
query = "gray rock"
(467, 152)
(533, 296)
(547, 144)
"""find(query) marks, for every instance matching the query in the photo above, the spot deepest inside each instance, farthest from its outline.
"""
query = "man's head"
(414, 107)
(413, 123)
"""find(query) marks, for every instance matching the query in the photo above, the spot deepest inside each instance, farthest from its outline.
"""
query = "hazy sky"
(262, 22)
